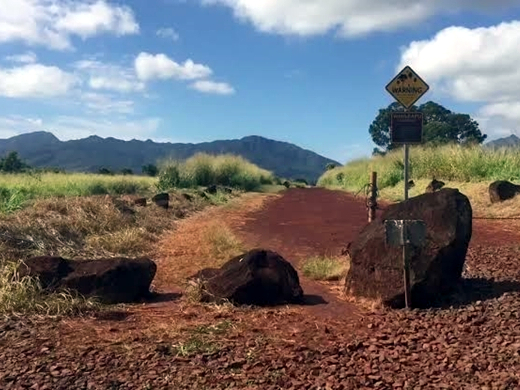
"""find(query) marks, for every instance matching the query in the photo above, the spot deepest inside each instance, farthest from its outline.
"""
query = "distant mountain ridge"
(511, 141)
(43, 149)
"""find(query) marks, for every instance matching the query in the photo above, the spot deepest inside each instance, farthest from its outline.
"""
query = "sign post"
(406, 128)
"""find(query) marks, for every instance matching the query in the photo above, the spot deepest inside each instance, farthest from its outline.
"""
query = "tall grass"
(17, 189)
(447, 163)
(25, 295)
(204, 169)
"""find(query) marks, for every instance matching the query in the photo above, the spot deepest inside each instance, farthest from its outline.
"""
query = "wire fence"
(368, 191)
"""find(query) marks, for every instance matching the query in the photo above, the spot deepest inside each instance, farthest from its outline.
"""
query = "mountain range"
(511, 141)
(43, 149)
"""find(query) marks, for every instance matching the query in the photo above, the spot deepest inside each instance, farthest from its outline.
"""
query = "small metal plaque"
(399, 232)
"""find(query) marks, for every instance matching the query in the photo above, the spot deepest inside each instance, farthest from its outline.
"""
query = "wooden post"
(372, 202)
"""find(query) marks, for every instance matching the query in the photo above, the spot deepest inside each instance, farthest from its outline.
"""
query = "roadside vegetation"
(325, 268)
(470, 169)
(17, 189)
(84, 215)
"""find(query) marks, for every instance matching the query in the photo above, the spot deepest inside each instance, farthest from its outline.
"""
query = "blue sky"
(190, 71)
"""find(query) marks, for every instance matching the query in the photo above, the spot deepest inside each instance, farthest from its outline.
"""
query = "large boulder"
(112, 280)
(258, 277)
(502, 190)
(376, 269)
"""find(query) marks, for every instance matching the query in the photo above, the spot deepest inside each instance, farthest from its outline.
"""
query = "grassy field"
(470, 170)
(17, 189)
(203, 170)
(198, 171)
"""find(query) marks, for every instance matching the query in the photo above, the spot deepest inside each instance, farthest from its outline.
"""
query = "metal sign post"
(405, 233)
(406, 128)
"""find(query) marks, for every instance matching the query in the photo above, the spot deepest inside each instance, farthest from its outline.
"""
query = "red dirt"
(473, 345)
(304, 223)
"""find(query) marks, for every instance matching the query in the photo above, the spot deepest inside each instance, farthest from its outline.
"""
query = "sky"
(309, 72)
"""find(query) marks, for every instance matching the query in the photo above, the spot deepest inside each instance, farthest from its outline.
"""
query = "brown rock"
(436, 267)
(112, 280)
(258, 277)
(161, 200)
(435, 185)
(502, 190)
(140, 202)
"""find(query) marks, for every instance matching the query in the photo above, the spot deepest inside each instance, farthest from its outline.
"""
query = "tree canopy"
(12, 163)
(441, 126)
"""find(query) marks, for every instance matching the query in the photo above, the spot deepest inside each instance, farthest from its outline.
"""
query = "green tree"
(150, 170)
(12, 163)
(441, 126)
(127, 171)
(330, 166)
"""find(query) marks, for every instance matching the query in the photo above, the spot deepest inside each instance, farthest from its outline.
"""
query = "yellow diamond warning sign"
(407, 87)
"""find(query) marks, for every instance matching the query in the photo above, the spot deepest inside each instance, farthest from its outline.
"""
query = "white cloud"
(25, 58)
(348, 17)
(160, 66)
(110, 77)
(474, 65)
(70, 127)
(35, 81)
(51, 23)
(168, 33)
(208, 86)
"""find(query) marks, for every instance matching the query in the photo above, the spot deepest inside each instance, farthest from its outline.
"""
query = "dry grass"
(325, 268)
(79, 227)
(21, 296)
(476, 192)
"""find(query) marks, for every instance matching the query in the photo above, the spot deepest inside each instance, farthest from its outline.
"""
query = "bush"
(150, 170)
(204, 170)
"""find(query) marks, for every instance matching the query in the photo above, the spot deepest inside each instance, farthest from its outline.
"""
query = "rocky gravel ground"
(472, 343)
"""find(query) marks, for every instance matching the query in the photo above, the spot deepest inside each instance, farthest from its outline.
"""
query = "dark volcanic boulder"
(502, 190)
(115, 280)
(161, 200)
(258, 277)
(376, 269)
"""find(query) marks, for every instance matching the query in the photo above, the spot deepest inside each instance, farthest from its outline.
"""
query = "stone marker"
(376, 269)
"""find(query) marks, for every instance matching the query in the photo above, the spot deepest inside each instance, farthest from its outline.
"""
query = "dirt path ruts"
(304, 223)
